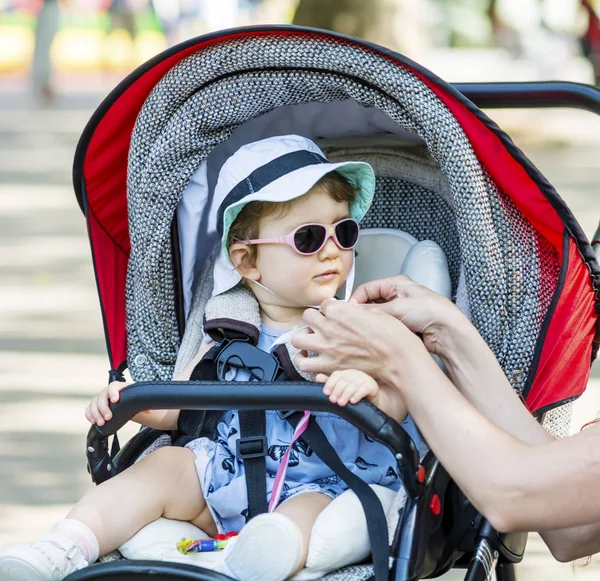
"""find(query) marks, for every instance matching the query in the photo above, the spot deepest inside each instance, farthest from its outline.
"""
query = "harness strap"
(459, 529)
(193, 424)
(252, 449)
(376, 521)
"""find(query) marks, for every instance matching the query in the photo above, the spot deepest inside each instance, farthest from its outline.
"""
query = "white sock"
(85, 540)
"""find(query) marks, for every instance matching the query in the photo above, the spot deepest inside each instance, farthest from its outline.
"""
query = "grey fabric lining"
(510, 272)
(194, 333)
(412, 195)
(238, 303)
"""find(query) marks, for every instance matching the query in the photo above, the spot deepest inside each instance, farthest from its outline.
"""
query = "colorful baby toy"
(188, 546)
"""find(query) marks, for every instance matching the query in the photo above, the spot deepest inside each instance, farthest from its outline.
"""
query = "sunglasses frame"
(289, 238)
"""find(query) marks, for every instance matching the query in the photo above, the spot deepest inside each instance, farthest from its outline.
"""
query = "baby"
(289, 225)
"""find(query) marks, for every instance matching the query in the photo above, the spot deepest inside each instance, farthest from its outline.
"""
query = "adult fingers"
(308, 341)
(320, 364)
(381, 290)
(314, 319)
(330, 307)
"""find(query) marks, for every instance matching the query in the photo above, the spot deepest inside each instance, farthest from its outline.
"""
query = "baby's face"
(303, 280)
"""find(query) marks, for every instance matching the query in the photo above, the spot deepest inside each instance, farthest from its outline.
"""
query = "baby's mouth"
(327, 275)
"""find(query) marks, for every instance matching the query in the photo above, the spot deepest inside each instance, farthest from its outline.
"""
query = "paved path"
(51, 340)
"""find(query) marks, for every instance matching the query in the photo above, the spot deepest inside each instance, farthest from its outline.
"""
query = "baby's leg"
(303, 510)
(274, 546)
(164, 483)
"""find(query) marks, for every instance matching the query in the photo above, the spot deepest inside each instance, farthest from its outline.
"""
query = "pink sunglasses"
(310, 238)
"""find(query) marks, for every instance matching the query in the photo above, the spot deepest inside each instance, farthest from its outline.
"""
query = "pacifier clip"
(283, 466)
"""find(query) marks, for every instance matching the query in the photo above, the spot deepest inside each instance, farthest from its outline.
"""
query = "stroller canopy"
(514, 249)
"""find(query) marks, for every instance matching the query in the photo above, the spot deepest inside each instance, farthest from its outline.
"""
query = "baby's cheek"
(347, 258)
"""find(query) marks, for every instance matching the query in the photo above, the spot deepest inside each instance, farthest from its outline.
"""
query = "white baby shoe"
(51, 558)
(268, 548)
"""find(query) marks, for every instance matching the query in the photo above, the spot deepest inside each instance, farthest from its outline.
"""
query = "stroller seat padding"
(339, 538)
(383, 252)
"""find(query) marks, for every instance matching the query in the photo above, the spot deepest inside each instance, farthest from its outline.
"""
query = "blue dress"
(222, 476)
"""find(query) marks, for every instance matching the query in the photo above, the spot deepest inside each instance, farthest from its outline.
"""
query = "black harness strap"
(193, 424)
(376, 521)
(252, 449)
(459, 529)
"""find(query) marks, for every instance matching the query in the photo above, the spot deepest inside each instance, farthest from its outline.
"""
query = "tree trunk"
(395, 24)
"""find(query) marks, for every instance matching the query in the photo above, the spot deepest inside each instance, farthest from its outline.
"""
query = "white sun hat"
(277, 169)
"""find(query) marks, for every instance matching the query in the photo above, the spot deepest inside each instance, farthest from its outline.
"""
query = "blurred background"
(59, 59)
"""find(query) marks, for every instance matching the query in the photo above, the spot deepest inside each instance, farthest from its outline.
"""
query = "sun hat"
(277, 169)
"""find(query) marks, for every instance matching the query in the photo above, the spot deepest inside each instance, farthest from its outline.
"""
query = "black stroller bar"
(533, 95)
(258, 396)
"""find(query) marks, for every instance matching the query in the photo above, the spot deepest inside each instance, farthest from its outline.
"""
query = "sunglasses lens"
(347, 233)
(309, 238)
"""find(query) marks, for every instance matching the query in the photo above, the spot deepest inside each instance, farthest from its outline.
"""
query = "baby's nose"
(330, 249)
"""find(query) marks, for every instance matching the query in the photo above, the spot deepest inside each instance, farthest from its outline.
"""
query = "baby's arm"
(351, 386)
(98, 412)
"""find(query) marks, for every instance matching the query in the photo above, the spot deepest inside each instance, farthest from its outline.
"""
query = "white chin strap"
(350, 281)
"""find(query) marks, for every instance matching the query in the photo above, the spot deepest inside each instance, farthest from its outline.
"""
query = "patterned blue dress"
(223, 479)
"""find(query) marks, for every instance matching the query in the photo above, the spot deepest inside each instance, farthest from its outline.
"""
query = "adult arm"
(472, 365)
(509, 467)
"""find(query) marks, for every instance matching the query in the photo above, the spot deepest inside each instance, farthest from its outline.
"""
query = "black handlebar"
(255, 396)
(544, 94)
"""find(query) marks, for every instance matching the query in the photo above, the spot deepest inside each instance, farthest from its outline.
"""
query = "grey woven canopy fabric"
(510, 271)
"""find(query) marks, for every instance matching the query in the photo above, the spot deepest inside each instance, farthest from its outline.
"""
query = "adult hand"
(348, 336)
(423, 311)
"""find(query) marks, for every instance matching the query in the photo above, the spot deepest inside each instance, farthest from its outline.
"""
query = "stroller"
(518, 262)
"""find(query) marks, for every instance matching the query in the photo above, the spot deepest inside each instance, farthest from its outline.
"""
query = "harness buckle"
(251, 447)
(262, 366)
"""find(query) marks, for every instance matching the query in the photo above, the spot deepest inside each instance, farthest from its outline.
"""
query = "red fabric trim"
(111, 269)
(565, 362)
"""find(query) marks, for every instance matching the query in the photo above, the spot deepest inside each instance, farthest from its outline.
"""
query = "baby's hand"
(98, 411)
(348, 385)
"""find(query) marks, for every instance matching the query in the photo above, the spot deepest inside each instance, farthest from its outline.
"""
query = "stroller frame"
(424, 545)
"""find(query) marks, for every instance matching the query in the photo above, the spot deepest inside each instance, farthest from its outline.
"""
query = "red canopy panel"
(564, 367)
